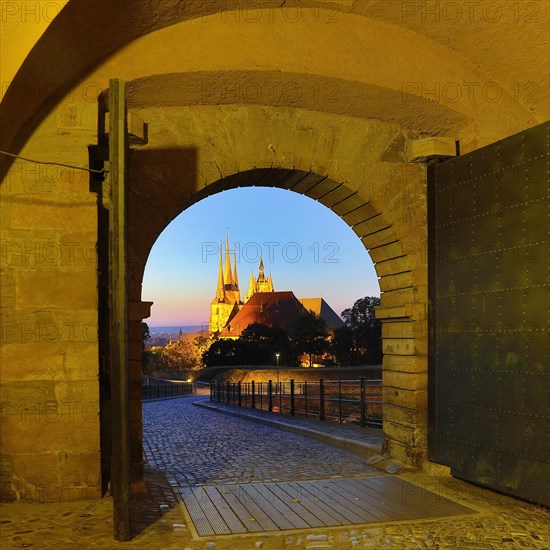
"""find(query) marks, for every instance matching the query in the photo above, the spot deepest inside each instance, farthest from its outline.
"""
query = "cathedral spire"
(227, 275)
(220, 291)
(235, 276)
(251, 287)
(261, 275)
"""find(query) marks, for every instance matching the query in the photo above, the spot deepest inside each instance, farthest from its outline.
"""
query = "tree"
(145, 333)
(180, 355)
(310, 335)
(262, 342)
(367, 330)
(223, 352)
(145, 356)
(343, 347)
(183, 354)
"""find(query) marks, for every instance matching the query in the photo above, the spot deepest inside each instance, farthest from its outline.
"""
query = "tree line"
(358, 342)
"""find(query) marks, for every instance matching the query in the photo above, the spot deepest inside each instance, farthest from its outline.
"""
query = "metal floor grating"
(260, 507)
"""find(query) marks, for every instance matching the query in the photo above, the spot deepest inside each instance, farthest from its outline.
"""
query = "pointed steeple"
(235, 276)
(220, 291)
(270, 284)
(227, 274)
(251, 287)
(261, 275)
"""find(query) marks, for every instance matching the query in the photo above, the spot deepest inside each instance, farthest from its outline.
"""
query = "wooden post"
(118, 310)
(305, 399)
(239, 389)
(253, 399)
(292, 404)
(270, 395)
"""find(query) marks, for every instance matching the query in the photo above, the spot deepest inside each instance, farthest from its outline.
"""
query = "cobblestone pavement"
(208, 447)
(503, 523)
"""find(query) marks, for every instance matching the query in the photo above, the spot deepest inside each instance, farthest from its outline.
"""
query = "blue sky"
(307, 248)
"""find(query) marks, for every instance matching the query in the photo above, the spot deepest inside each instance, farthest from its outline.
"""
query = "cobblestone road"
(192, 445)
(209, 447)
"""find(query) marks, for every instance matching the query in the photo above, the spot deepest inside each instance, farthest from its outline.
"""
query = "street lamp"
(277, 355)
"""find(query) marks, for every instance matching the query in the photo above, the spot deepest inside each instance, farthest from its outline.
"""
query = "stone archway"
(192, 70)
(386, 209)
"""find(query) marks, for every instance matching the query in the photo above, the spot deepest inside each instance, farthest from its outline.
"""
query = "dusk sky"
(307, 248)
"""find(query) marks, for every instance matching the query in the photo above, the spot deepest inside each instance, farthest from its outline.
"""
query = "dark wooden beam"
(118, 310)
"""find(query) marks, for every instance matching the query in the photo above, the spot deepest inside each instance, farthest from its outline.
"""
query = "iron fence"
(345, 401)
(156, 388)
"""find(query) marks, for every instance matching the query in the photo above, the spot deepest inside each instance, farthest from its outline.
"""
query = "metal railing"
(345, 401)
(156, 388)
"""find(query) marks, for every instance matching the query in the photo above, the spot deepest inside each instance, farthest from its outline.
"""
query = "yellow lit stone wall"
(49, 356)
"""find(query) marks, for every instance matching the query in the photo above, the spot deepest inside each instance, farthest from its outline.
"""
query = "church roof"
(323, 310)
(279, 309)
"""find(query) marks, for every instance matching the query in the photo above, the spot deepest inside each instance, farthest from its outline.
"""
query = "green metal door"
(489, 269)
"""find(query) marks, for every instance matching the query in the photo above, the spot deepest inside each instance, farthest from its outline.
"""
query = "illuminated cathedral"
(229, 315)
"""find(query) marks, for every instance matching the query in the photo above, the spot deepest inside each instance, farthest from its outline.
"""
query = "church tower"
(261, 284)
(227, 302)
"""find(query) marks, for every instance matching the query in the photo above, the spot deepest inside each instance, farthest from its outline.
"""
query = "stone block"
(80, 469)
(403, 363)
(31, 361)
(410, 436)
(380, 238)
(59, 289)
(77, 391)
(54, 211)
(336, 196)
(373, 225)
(398, 329)
(47, 429)
(37, 469)
(78, 249)
(386, 252)
(81, 361)
(412, 456)
(138, 310)
(399, 281)
(433, 147)
(417, 416)
(406, 380)
(27, 326)
(395, 265)
(399, 346)
(19, 396)
(48, 361)
(410, 399)
(408, 310)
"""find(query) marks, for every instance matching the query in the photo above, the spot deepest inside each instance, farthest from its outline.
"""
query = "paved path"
(192, 445)
(177, 426)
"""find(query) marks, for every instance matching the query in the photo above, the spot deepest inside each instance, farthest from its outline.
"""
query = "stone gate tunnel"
(423, 129)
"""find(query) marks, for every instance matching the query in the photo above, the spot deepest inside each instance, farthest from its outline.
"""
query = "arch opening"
(395, 259)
